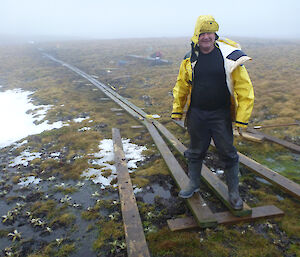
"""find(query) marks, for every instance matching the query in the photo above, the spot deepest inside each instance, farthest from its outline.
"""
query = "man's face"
(207, 40)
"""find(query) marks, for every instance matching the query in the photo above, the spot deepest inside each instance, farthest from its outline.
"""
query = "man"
(215, 85)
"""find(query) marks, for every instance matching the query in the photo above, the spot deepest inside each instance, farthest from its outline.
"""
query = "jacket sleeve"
(181, 90)
(244, 95)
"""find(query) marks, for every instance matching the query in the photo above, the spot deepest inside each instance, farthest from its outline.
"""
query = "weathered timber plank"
(284, 143)
(226, 218)
(250, 136)
(200, 210)
(273, 177)
(218, 187)
(134, 233)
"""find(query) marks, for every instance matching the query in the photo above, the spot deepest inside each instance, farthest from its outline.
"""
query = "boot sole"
(190, 195)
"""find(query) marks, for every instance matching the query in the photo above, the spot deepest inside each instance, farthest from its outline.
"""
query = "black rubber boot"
(194, 183)
(232, 180)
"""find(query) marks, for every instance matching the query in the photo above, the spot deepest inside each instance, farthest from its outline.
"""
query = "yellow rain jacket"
(237, 78)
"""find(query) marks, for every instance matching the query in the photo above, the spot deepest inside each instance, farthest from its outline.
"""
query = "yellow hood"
(204, 23)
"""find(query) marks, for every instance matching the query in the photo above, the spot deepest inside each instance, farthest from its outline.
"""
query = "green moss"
(264, 196)
(106, 173)
(53, 250)
(36, 161)
(37, 255)
(284, 158)
(3, 233)
(92, 214)
(74, 170)
(65, 220)
(156, 167)
(164, 243)
(50, 164)
(225, 242)
(107, 230)
(47, 208)
(107, 204)
(145, 208)
(290, 223)
(148, 152)
(294, 249)
(249, 243)
(140, 181)
(66, 250)
(66, 190)
(90, 227)
(49, 249)
(53, 213)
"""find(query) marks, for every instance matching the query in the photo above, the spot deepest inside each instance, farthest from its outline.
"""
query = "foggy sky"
(138, 18)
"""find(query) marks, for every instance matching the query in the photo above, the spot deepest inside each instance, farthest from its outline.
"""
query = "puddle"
(153, 191)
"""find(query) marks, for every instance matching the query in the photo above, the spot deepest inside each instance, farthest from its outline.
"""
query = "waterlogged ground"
(58, 187)
(49, 213)
(274, 156)
(39, 209)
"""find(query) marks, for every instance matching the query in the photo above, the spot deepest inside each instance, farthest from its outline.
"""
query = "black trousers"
(202, 126)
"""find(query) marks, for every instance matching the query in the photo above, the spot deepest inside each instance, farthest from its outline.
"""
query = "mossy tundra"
(73, 216)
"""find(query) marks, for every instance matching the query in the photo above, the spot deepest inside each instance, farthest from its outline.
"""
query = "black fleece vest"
(210, 91)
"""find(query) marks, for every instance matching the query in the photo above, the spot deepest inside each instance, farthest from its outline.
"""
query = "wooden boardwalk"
(202, 214)
(134, 233)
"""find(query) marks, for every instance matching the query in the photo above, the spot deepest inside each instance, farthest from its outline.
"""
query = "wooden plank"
(276, 126)
(249, 136)
(273, 177)
(134, 233)
(226, 218)
(289, 145)
(200, 210)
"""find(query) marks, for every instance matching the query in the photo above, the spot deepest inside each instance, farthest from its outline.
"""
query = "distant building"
(156, 55)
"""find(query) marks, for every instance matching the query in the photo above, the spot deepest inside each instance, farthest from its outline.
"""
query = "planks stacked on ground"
(226, 218)
(134, 233)
(202, 213)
